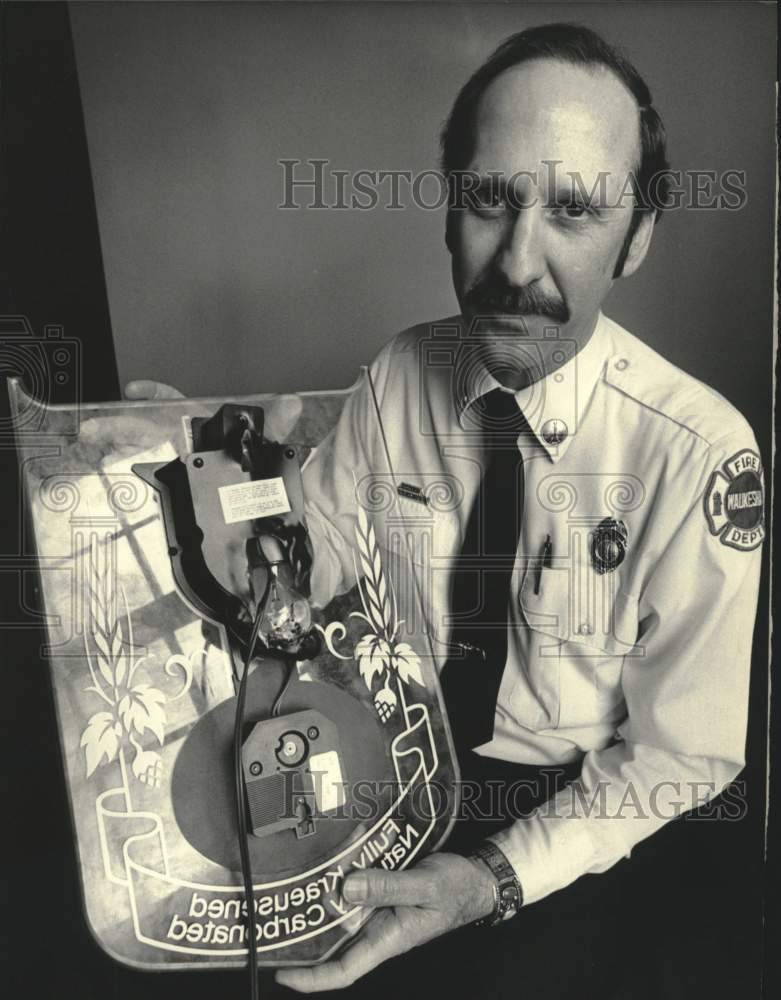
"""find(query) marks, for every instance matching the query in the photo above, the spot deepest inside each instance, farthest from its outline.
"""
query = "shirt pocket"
(576, 626)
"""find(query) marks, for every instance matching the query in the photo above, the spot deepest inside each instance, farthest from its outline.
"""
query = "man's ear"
(641, 241)
(449, 223)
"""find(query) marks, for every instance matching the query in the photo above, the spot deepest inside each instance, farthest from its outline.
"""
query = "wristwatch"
(508, 894)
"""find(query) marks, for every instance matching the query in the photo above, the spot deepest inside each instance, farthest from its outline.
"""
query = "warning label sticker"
(327, 776)
(258, 498)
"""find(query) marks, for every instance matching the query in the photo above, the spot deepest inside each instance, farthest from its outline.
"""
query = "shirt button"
(554, 431)
(622, 364)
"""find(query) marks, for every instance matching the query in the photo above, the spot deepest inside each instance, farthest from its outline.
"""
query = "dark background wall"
(189, 107)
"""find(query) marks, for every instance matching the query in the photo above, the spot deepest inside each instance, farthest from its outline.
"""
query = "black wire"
(283, 689)
(241, 811)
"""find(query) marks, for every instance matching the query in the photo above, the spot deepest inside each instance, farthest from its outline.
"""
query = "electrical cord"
(283, 690)
(241, 809)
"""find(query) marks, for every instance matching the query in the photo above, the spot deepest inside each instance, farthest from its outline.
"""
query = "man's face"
(542, 252)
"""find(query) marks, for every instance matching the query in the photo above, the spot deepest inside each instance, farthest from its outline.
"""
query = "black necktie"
(471, 677)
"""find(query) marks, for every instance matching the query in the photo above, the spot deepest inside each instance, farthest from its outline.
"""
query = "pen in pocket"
(544, 562)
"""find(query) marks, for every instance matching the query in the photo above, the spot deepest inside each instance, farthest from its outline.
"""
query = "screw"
(289, 453)
(198, 463)
(255, 767)
(313, 732)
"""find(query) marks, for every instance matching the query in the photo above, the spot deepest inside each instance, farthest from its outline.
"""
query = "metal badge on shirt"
(608, 545)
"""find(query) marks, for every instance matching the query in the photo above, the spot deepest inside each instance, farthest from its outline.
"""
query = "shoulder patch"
(734, 502)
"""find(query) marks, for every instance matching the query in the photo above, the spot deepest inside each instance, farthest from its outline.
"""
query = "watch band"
(508, 894)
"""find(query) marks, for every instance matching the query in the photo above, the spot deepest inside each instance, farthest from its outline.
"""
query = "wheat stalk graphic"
(133, 709)
(380, 656)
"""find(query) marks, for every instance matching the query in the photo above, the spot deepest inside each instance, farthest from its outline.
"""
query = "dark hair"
(576, 44)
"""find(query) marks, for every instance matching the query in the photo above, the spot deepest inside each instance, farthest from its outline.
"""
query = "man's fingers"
(334, 975)
(143, 388)
(379, 942)
(380, 888)
(281, 416)
(282, 412)
(302, 980)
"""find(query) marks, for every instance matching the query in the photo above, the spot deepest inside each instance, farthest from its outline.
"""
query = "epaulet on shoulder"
(641, 373)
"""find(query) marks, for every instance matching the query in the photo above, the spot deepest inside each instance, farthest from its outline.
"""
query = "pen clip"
(543, 562)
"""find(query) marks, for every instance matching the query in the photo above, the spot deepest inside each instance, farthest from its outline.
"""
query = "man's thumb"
(149, 389)
(381, 888)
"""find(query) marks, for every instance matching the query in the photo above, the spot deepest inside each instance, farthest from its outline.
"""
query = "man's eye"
(570, 210)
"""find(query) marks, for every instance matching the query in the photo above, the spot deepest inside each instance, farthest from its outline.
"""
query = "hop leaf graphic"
(373, 655)
(141, 709)
(100, 740)
(406, 661)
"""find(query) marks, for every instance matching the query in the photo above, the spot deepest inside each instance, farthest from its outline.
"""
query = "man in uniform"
(614, 504)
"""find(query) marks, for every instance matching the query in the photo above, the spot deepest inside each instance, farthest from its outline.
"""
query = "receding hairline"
(593, 69)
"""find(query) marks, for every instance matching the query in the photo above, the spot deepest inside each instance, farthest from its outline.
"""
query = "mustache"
(489, 297)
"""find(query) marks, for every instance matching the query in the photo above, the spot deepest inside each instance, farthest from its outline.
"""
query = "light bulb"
(286, 618)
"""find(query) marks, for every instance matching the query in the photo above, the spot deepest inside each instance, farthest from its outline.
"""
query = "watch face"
(509, 902)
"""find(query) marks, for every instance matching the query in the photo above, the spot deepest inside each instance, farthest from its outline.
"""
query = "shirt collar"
(553, 406)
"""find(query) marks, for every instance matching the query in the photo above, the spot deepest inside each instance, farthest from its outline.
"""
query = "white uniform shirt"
(642, 670)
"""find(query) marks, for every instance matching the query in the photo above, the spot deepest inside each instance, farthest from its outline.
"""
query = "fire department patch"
(734, 502)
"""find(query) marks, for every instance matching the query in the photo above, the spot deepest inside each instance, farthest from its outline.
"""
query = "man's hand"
(443, 892)
(281, 413)
(145, 388)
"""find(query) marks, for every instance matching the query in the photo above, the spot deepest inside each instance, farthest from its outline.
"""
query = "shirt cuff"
(575, 832)
(549, 854)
